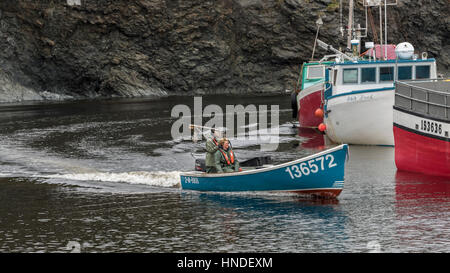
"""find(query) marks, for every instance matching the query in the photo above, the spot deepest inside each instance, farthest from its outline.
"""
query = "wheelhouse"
(363, 75)
(313, 73)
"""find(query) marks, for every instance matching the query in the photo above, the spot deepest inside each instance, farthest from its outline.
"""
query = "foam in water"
(159, 178)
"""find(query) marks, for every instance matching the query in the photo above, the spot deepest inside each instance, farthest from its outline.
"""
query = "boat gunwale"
(311, 89)
(420, 115)
(262, 170)
(411, 84)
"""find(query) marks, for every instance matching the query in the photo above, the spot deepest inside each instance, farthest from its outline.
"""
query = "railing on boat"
(430, 97)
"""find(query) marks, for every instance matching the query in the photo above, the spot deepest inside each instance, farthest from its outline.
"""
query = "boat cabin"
(365, 75)
(313, 73)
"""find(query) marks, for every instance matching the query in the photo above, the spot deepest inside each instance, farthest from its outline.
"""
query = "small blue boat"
(320, 174)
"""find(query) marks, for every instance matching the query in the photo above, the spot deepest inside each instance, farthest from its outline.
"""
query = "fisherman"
(225, 160)
(212, 146)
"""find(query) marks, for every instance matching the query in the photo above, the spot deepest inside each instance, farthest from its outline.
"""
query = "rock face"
(90, 48)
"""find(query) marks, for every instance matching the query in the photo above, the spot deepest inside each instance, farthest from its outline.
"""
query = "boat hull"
(309, 100)
(421, 148)
(363, 118)
(321, 174)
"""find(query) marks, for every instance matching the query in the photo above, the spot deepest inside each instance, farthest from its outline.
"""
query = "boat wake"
(157, 179)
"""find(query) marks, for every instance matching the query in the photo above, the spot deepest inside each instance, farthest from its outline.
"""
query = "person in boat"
(212, 146)
(225, 160)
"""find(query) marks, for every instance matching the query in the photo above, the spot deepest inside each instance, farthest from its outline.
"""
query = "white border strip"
(410, 121)
(311, 89)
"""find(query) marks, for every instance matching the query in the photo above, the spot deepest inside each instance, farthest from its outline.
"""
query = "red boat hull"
(416, 152)
(308, 104)
(320, 193)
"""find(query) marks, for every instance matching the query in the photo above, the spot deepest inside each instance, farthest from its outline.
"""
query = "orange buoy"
(322, 127)
(318, 113)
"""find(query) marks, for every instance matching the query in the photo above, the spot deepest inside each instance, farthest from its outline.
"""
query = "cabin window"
(316, 72)
(386, 74)
(405, 73)
(368, 75)
(422, 72)
(350, 75)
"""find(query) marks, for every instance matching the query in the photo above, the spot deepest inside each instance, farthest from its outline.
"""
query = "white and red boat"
(422, 127)
(309, 96)
(359, 96)
(359, 109)
(354, 90)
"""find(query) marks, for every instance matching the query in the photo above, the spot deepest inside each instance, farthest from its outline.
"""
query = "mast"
(350, 24)
(341, 28)
(385, 29)
(319, 22)
(381, 33)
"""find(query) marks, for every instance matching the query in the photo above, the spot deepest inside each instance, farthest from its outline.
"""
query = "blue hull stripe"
(361, 91)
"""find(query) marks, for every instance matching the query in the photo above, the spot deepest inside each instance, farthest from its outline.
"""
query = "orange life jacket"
(229, 162)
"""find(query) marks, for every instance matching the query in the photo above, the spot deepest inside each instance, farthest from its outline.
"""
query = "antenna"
(379, 3)
(352, 31)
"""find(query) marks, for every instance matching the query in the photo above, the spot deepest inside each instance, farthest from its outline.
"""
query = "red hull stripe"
(327, 193)
(419, 153)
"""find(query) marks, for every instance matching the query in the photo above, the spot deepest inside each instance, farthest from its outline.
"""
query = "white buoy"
(404, 51)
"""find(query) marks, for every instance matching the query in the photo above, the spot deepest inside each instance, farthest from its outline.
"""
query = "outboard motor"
(200, 165)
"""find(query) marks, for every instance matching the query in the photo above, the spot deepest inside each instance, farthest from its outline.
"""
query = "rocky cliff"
(89, 48)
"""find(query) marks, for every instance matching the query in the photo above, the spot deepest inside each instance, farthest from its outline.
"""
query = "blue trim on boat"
(328, 90)
(325, 176)
(386, 62)
(361, 91)
(385, 145)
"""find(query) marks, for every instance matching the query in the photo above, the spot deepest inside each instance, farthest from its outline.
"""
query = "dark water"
(103, 176)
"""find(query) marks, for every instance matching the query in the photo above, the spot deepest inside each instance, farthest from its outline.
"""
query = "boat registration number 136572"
(311, 166)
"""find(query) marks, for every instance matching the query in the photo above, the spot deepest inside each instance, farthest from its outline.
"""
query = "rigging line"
(340, 19)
